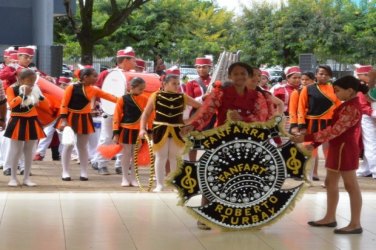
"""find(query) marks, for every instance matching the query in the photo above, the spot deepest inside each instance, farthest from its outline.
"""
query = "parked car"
(189, 73)
(66, 71)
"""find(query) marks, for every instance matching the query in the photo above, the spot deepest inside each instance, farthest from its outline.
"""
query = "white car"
(190, 73)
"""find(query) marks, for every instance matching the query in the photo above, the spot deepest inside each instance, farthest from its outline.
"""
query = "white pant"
(18, 150)
(368, 166)
(105, 138)
(44, 143)
(81, 142)
(169, 151)
(94, 139)
(127, 162)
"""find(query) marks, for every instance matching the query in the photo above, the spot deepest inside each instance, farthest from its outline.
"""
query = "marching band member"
(7, 59)
(265, 79)
(235, 100)
(23, 128)
(315, 109)
(168, 105)
(126, 61)
(140, 65)
(76, 113)
(293, 75)
(368, 125)
(126, 126)
(343, 155)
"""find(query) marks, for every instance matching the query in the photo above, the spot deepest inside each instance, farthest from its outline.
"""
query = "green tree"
(89, 28)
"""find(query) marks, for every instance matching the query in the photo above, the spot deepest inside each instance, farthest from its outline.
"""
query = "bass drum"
(117, 84)
(54, 95)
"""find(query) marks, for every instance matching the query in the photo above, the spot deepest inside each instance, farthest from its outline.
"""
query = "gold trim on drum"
(152, 168)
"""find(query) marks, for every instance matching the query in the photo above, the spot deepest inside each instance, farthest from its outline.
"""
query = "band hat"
(13, 57)
(363, 69)
(292, 70)
(265, 73)
(140, 63)
(9, 51)
(202, 61)
(29, 50)
(127, 52)
(174, 70)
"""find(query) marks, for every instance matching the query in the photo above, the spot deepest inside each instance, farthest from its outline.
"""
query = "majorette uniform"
(76, 107)
(23, 129)
(23, 124)
(169, 109)
(126, 123)
(343, 136)
(316, 105)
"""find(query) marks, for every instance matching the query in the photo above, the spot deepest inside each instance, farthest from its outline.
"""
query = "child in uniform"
(76, 112)
(24, 128)
(168, 143)
(126, 126)
(343, 154)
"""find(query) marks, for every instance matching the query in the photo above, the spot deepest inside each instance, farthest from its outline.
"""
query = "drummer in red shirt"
(126, 61)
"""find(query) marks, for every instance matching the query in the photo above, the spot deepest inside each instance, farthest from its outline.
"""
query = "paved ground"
(47, 174)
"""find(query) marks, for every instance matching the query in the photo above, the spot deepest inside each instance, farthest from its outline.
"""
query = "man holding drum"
(126, 61)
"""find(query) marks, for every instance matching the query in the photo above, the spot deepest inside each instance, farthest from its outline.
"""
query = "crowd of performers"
(339, 115)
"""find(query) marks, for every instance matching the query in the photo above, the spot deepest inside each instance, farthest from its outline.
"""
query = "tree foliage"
(182, 30)
(331, 29)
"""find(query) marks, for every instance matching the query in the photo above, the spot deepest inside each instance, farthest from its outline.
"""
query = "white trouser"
(127, 162)
(5, 148)
(44, 143)
(94, 139)
(17, 150)
(368, 166)
(105, 138)
(169, 151)
(81, 142)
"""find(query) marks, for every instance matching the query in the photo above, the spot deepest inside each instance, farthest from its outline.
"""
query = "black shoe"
(118, 170)
(354, 231)
(103, 171)
(66, 178)
(315, 224)
(83, 178)
(315, 178)
(94, 165)
(1, 166)
(7, 172)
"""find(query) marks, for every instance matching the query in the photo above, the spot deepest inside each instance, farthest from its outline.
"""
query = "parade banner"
(241, 174)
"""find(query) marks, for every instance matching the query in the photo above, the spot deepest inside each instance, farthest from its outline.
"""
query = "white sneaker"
(13, 183)
(125, 183)
(134, 183)
(29, 183)
(158, 189)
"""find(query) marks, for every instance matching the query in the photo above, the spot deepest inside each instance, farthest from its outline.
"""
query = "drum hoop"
(152, 167)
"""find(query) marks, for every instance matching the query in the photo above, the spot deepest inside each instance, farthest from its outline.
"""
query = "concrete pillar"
(43, 32)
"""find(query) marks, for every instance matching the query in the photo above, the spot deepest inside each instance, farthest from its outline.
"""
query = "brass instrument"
(225, 59)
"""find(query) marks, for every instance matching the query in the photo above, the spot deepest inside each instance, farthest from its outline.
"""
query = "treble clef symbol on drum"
(293, 163)
(187, 181)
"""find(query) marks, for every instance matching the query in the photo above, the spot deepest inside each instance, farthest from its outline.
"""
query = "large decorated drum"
(117, 83)
(242, 173)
